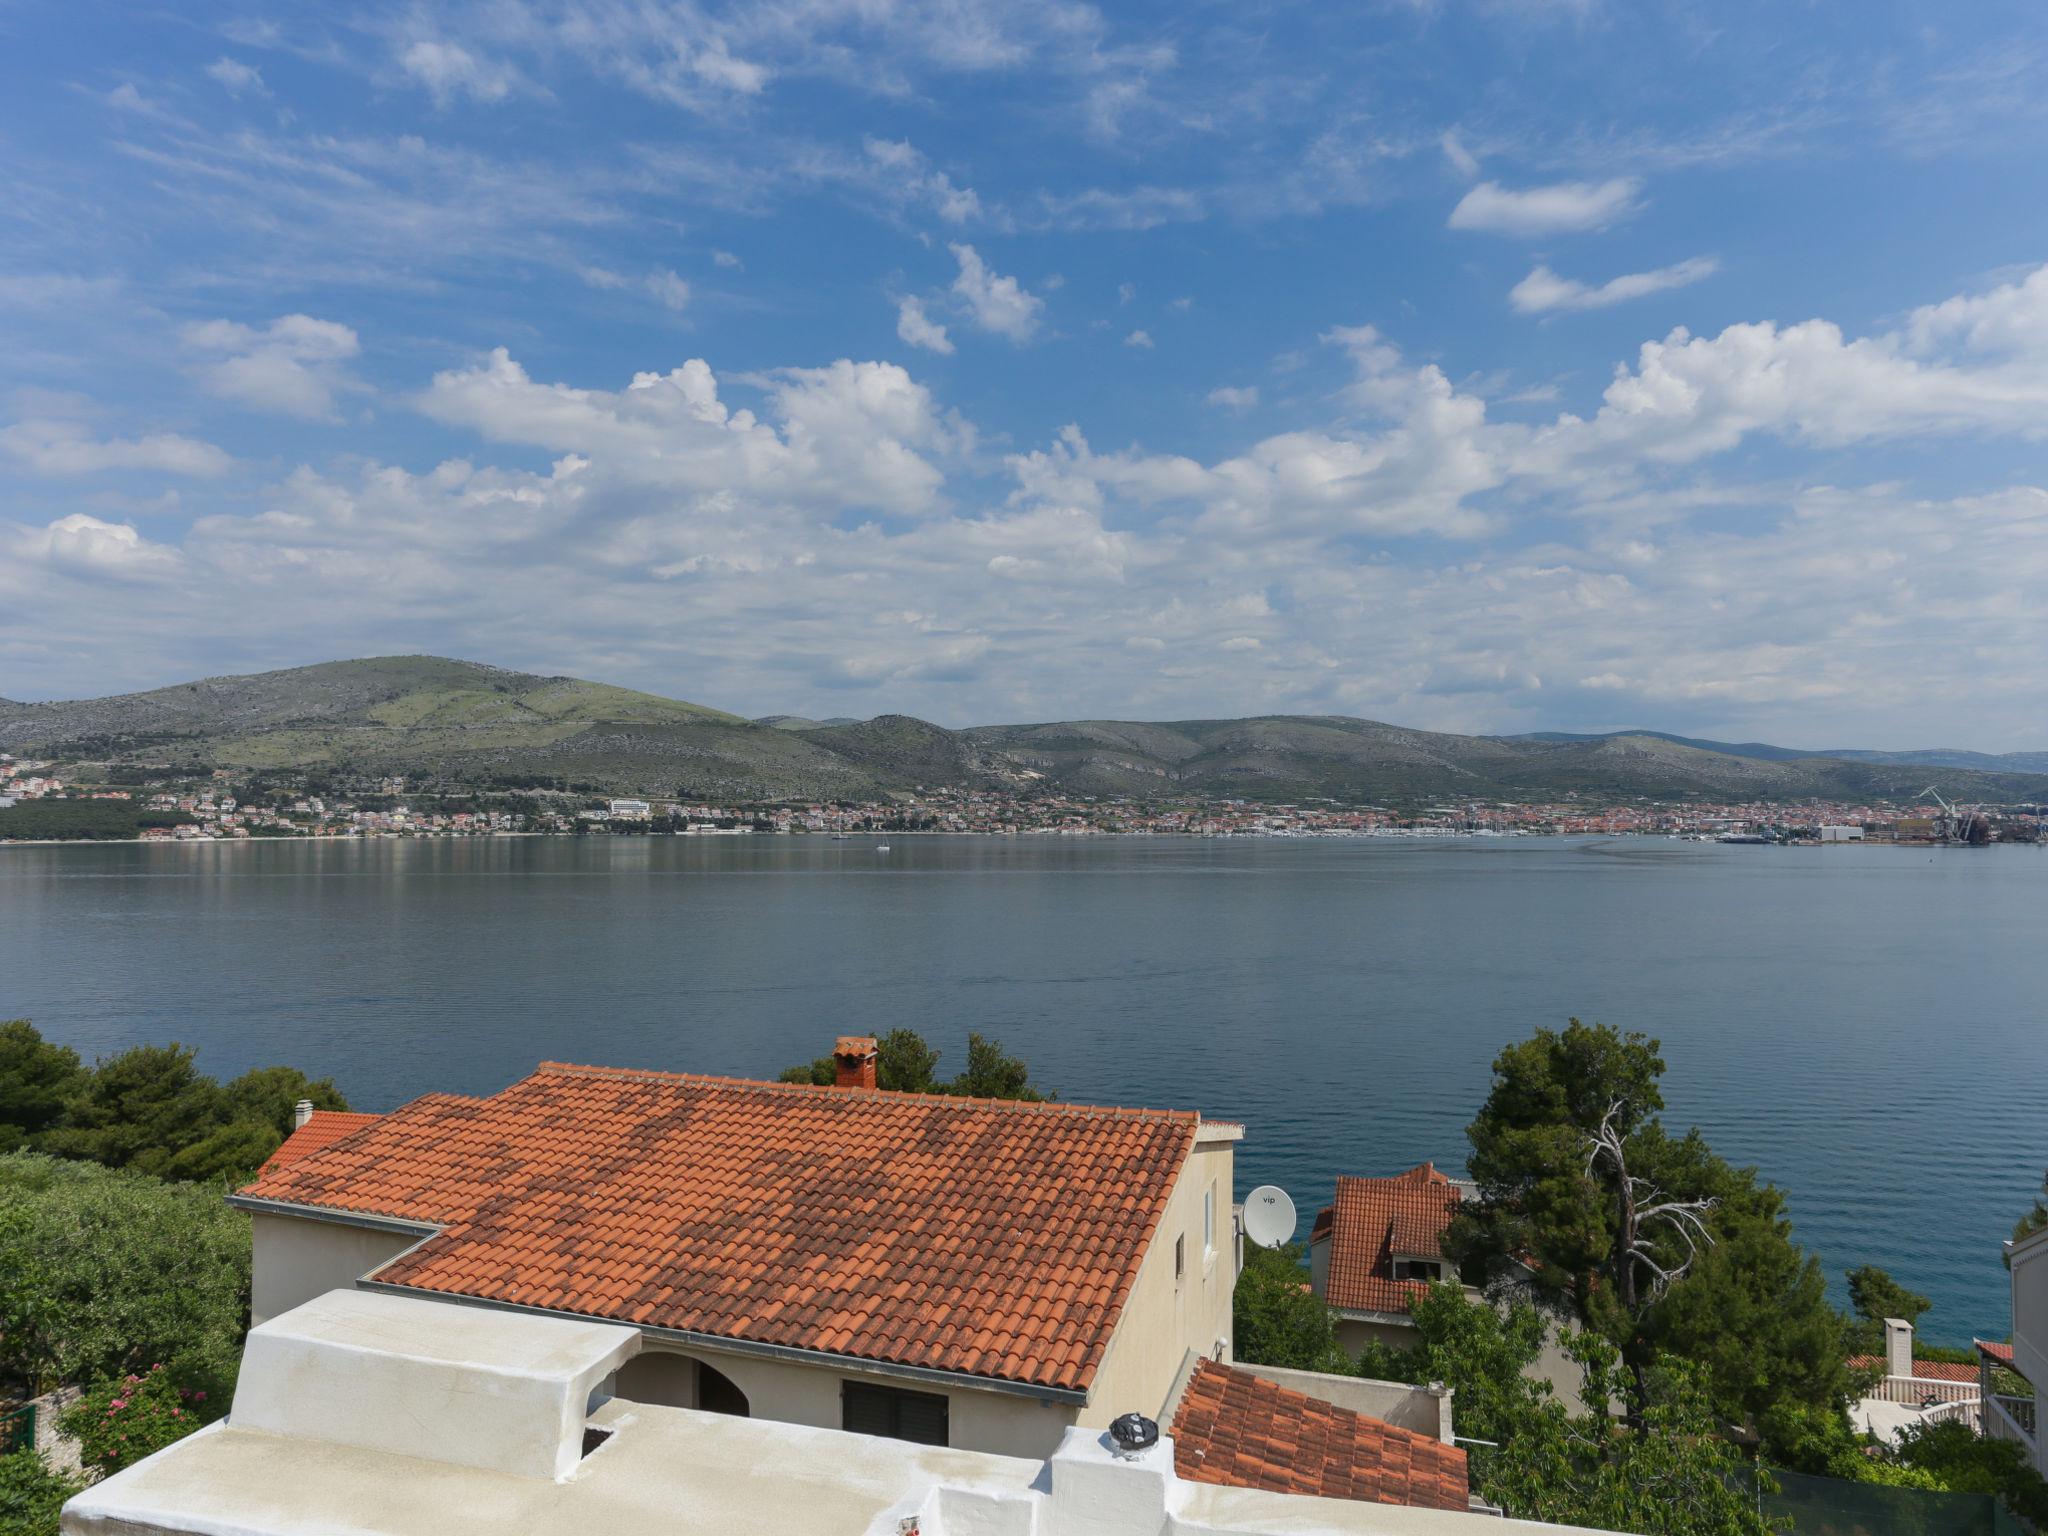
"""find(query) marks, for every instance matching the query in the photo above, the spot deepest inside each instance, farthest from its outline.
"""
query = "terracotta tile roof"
(2002, 1353)
(1923, 1370)
(319, 1133)
(1242, 1431)
(1372, 1221)
(998, 1239)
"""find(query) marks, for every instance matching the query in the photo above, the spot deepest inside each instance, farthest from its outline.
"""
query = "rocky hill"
(462, 724)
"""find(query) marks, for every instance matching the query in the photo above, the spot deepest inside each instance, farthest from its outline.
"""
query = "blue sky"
(1481, 365)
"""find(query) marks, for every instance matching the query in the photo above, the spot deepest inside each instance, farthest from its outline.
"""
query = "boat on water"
(881, 847)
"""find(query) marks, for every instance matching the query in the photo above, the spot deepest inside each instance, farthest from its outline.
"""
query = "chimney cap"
(854, 1045)
(1131, 1433)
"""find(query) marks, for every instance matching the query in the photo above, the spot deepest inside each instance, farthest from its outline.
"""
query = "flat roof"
(671, 1471)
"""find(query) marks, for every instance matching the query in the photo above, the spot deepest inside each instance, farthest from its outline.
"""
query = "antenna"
(1268, 1216)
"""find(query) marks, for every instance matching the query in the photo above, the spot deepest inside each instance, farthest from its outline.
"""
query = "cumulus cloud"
(1543, 290)
(292, 367)
(66, 448)
(815, 533)
(1235, 397)
(858, 433)
(993, 302)
(919, 329)
(1139, 339)
(1547, 210)
(79, 545)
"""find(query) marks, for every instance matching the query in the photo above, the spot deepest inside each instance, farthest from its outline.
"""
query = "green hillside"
(463, 724)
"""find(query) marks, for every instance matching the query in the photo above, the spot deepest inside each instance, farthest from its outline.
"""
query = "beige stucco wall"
(2030, 1323)
(296, 1259)
(1165, 1317)
(792, 1393)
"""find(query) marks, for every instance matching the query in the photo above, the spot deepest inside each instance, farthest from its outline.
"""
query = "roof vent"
(1133, 1434)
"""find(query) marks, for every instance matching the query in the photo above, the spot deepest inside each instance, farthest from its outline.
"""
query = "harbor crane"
(1957, 825)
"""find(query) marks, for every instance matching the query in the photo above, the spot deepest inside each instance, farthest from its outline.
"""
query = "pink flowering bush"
(117, 1423)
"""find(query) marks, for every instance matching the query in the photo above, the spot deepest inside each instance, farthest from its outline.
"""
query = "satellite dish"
(1268, 1216)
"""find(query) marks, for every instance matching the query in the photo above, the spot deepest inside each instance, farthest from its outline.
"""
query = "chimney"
(301, 1113)
(855, 1057)
(1898, 1347)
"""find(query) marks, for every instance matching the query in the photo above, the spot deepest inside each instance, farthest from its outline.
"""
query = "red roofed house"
(1377, 1245)
(955, 1271)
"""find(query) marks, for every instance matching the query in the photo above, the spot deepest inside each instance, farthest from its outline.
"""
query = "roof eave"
(263, 1206)
(790, 1353)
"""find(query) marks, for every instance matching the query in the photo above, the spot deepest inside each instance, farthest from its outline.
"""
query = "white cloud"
(65, 448)
(993, 302)
(291, 367)
(1549, 210)
(850, 433)
(670, 289)
(1232, 397)
(907, 178)
(1394, 552)
(727, 259)
(1543, 290)
(1140, 339)
(448, 70)
(1125, 292)
(83, 546)
(235, 77)
(919, 329)
(1460, 157)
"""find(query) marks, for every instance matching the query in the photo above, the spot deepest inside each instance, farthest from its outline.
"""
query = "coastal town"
(228, 804)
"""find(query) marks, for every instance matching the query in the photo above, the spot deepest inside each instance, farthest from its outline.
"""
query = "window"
(1180, 1256)
(1418, 1269)
(893, 1413)
(1209, 1221)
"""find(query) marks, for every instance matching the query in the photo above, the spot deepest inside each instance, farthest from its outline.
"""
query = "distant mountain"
(1931, 757)
(801, 723)
(458, 724)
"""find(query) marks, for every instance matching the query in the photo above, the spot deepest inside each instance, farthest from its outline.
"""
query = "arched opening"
(655, 1376)
(670, 1380)
(716, 1393)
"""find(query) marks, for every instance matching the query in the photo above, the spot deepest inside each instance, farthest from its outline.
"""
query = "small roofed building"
(361, 1414)
(1377, 1246)
(953, 1271)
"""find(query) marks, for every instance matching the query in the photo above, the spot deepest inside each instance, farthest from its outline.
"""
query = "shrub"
(117, 1423)
(31, 1494)
(104, 1273)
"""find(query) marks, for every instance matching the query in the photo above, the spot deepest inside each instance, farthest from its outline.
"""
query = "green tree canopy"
(1874, 1296)
(1644, 1238)
(37, 1081)
(1276, 1319)
(139, 1109)
(904, 1063)
(1546, 1463)
(269, 1096)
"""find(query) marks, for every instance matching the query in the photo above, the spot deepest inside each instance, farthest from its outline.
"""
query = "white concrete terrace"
(367, 1415)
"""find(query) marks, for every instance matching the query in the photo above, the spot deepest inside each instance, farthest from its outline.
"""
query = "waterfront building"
(970, 1273)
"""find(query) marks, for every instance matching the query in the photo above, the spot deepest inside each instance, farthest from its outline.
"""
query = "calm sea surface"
(1865, 1024)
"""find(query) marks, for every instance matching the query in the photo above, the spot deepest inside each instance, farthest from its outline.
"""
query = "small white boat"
(881, 847)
